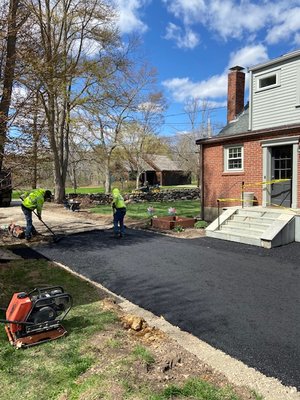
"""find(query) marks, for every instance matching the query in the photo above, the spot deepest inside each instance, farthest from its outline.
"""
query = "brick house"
(260, 143)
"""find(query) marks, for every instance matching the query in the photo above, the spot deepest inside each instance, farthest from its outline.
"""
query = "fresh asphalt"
(241, 299)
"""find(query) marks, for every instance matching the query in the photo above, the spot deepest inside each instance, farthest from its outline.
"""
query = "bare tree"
(184, 144)
(70, 38)
(139, 138)
(28, 138)
(112, 105)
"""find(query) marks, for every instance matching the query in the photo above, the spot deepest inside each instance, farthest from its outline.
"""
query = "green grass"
(196, 389)
(143, 354)
(95, 190)
(24, 275)
(184, 208)
(46, 371)
(94, 361)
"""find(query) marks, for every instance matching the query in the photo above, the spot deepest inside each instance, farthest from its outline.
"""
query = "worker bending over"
(31, 201)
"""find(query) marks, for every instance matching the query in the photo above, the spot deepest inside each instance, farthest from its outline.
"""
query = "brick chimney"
(236, 91)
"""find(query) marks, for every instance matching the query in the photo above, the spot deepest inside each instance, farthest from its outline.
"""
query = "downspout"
(250, 101)
(201, 166)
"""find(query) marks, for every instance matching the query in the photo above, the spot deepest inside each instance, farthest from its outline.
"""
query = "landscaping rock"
(163, 195)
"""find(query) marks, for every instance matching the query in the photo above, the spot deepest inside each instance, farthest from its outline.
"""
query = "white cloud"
(184, 39)
(287, 25)
(232, 20)
(297, 39)
(214, 89)
(129, 15)
(187, 10)
(248, 56)
(276, 19)
(184, 88)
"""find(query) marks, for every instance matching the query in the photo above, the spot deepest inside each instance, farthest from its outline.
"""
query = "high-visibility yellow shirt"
(118, 200)
(34, 200)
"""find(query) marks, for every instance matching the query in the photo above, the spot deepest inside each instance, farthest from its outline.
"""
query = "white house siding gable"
(278, 105)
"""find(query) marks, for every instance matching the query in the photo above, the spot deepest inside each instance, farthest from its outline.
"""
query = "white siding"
(277, 106)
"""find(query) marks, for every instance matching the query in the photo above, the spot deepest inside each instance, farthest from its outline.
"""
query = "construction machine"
(35, 317)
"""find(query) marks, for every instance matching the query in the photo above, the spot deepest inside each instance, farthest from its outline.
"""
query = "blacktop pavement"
(235, 306)
(241, 300)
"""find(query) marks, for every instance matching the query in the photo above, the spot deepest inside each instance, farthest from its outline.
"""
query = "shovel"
(55, 238)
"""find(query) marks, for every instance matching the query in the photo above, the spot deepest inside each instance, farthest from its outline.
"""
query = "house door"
(282, 162)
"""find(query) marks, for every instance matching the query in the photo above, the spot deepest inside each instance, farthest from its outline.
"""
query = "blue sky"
(192, 43)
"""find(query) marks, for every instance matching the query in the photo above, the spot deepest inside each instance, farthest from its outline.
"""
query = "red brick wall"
(220, 184)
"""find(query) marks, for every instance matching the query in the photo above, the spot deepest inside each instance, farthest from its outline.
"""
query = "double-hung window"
(234, 158)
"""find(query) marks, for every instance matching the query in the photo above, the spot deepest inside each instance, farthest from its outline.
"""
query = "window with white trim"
(233, 158)
(268, 80)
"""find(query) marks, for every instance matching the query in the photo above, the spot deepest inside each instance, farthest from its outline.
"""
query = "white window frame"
(227, 159)
(260, 77)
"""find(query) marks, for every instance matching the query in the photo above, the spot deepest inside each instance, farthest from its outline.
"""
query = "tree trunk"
(9, 72)
(74, 178)
(137, 180)
(59, 190)
(107, 176)
(34, 162)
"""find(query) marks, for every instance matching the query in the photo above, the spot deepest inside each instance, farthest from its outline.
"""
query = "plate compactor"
(35, 317)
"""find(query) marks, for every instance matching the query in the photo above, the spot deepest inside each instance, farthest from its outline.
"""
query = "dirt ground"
(172, 365)
(173, 362)
(62, 221)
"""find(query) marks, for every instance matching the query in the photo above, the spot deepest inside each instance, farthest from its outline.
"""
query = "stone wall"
(162, 195)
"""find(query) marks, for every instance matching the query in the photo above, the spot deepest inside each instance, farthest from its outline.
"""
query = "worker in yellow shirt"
(119, 211)
(31, 201)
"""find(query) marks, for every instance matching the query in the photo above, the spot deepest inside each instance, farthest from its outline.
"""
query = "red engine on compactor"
(35, 317)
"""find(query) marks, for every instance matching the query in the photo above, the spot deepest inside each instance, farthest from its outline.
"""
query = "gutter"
(284, 57)
(275, 131)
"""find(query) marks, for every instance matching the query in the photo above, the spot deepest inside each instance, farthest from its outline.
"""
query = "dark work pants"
(119, 215)
(30, 229)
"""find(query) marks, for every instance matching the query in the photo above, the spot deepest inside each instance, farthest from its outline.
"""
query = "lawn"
(98, 359)
(184, 208)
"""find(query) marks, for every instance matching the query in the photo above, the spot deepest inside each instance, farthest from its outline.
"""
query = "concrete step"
(250, 218)
(241, 231)
(246, 239)
(255, 226)
(257, 213)
(247, 224)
